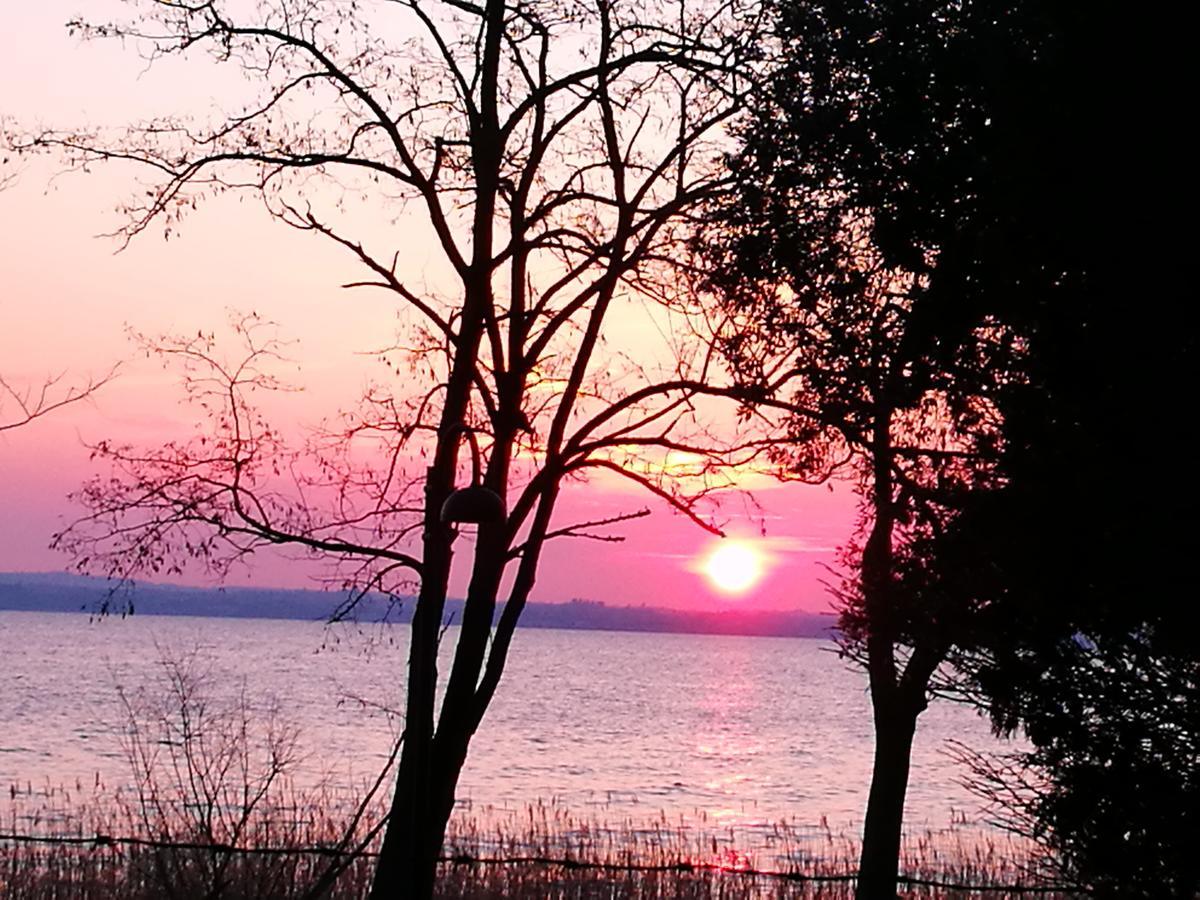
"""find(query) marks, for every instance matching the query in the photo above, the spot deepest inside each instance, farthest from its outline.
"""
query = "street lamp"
(476, 503)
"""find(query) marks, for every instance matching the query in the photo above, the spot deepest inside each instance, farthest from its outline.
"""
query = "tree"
(994, 153)
(870, 261)
(1108, 784)
(1094, 661)
(555, 152)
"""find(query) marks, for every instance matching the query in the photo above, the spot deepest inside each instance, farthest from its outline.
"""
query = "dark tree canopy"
(854, 264)
(1088, 646)
(1009, 167)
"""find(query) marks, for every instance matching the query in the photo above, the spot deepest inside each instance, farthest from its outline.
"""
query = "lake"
(733, 732)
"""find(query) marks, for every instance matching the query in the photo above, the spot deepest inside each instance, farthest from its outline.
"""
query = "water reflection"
(737, 733)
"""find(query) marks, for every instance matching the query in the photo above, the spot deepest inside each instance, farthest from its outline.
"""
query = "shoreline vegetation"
(117, 845)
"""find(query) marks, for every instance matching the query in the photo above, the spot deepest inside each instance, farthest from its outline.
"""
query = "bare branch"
(28, 404)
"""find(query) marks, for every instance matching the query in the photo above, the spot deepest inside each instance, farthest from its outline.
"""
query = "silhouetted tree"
(1093, 657)
(1109, 784)
(996, 154)
(554, 151)
(872, 257)
(1083, 640)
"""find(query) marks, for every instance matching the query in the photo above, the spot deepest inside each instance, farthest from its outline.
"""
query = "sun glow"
(733, 567)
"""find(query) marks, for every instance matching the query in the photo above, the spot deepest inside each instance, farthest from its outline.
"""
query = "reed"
(541, 851)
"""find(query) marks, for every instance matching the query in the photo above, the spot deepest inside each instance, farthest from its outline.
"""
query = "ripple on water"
(743, 731)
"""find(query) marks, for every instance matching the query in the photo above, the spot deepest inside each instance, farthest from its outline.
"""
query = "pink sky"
(66, 300)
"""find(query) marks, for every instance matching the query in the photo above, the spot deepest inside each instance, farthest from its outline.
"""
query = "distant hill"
(62, 592)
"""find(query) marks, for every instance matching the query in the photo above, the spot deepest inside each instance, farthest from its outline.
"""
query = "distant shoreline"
(65, 593)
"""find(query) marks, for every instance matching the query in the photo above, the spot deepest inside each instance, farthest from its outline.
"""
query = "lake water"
(733, 732)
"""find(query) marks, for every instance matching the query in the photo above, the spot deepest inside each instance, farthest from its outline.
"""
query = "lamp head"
(473, 504)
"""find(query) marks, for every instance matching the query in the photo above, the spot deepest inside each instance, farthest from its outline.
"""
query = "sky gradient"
(67, 301)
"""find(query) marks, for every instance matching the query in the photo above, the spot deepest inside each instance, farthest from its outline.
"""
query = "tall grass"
(540, 851)
(113, 849)
(666, 859)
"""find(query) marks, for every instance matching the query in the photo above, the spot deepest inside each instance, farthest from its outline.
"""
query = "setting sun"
(733, 567)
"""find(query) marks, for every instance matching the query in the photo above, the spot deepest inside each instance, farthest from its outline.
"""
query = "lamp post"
(476, 503)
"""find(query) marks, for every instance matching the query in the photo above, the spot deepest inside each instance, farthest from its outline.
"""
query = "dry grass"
(258, 865)
(666, 860)
(491, 854)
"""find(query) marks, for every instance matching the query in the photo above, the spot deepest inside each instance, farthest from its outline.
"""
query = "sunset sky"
(67, 300)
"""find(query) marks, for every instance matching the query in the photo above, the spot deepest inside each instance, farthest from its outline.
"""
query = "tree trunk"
(880, 859)
(432, 759)
(430, 765)
(408, 858)
(895, 720)
(421, 810)
(408, 855)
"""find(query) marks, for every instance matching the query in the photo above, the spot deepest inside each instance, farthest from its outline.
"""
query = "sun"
(733, 567)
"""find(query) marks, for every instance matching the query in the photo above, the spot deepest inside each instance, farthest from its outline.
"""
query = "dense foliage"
(983, 190)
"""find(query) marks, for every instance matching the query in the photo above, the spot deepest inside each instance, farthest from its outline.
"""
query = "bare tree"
(555, 151)
(203, 772)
